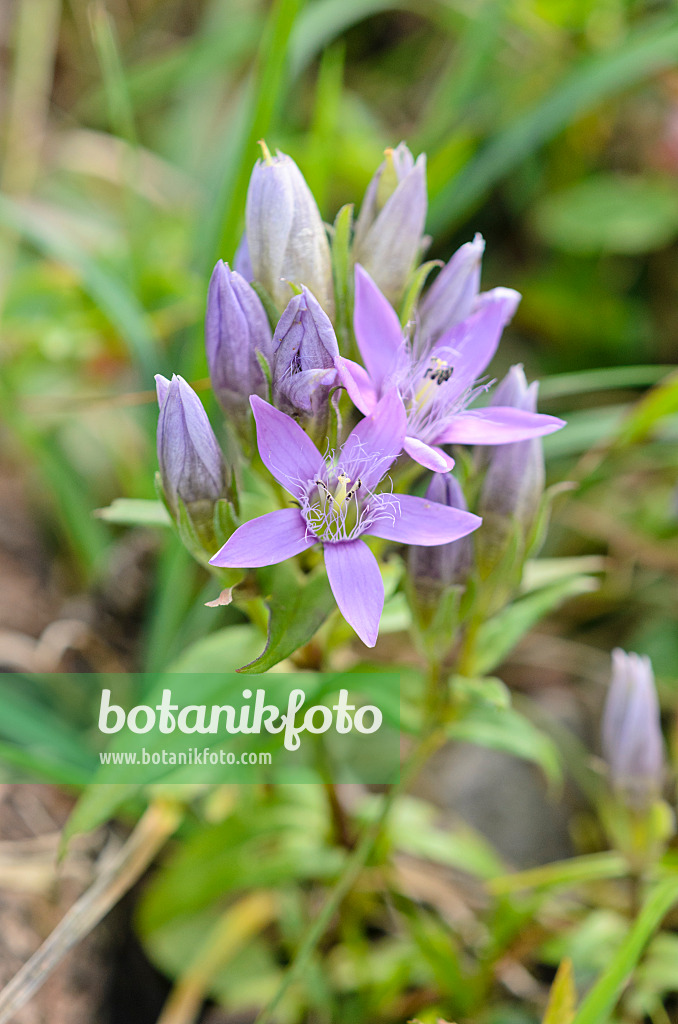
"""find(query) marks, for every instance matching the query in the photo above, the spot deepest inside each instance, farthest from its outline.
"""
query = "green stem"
(351, 871)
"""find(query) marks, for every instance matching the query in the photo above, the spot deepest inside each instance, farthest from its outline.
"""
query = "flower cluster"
(272, 348)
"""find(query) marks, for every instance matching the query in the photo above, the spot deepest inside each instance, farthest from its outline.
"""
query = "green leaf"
(96, 805)
(661, 402)
(135, 512)
(563, 997)
(645, 52)
(109, 293)
(610, 213)
(507, 730)
(297, 608)
(601, 999)
(342, 269)
(499, 636)
(414, 287)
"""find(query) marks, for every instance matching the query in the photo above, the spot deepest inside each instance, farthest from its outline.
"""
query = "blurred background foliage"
(129, 129)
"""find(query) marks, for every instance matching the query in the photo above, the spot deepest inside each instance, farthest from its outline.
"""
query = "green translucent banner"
(190, 728)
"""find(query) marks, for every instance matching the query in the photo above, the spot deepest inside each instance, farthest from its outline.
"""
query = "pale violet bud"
(241, 261)
(438, 567)
(389, 231)
(631, 731)
(191, 463)
(236, 330)
(514, 481)
(304, 360)
(452, 296)
(286, 237)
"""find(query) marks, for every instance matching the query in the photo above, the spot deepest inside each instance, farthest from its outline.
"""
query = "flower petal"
(498, 424)
(286, 451)
(428, 455)
(265, 541)
(374, 445)
(474, 341)
(377, 328)
(357, 585)
(360, 388)
(425, 522)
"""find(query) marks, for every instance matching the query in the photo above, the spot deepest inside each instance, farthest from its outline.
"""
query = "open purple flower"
(436, 382)
(336, 502)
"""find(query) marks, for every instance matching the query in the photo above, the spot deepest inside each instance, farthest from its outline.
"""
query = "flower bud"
(191, 464)
(305, 354)
(236, 329)
(286, 237)
(242, 263)
(631, 731)
(451, 297)
(514, 481)
(434, 569)
(389, 230)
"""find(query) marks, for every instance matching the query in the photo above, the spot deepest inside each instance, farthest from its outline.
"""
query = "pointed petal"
(162, 386)
(357, 585)
(265, 541)
(377, 328)
(474, 341)
(498, 425)
(356, 380)
(428, 455)
(374, 445)
(286, 451)
(422, 521)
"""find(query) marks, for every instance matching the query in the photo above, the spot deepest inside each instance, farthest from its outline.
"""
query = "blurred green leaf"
(563, 997)
(497, 637)
(601, 999)
(510, 732)
(646, 51)
(610, 213)
(135, 512)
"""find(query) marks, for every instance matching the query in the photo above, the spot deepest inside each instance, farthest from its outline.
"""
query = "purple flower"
(514, 481)
(236, 329)
(191, 464)
(304, 364)
(631, 730)
(435, 568)
(452, 296)
(286, 237)
(336, 502)
(436, 382)
(389, 230)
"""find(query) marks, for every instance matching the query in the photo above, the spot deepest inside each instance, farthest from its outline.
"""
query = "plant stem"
(351, 871)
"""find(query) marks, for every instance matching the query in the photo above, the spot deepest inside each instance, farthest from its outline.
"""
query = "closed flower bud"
(514, 480)
(452, 296)
(389, 230)
(191, 464)
(434, 569)
(286, 237)
(631, 731)
(236, 329)
(241, 261)
(305, 354)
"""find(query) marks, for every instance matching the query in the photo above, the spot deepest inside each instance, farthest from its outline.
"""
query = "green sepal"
(267, 302)
(266, 370)
(342, 267)
(414, 288)
(435, 617)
